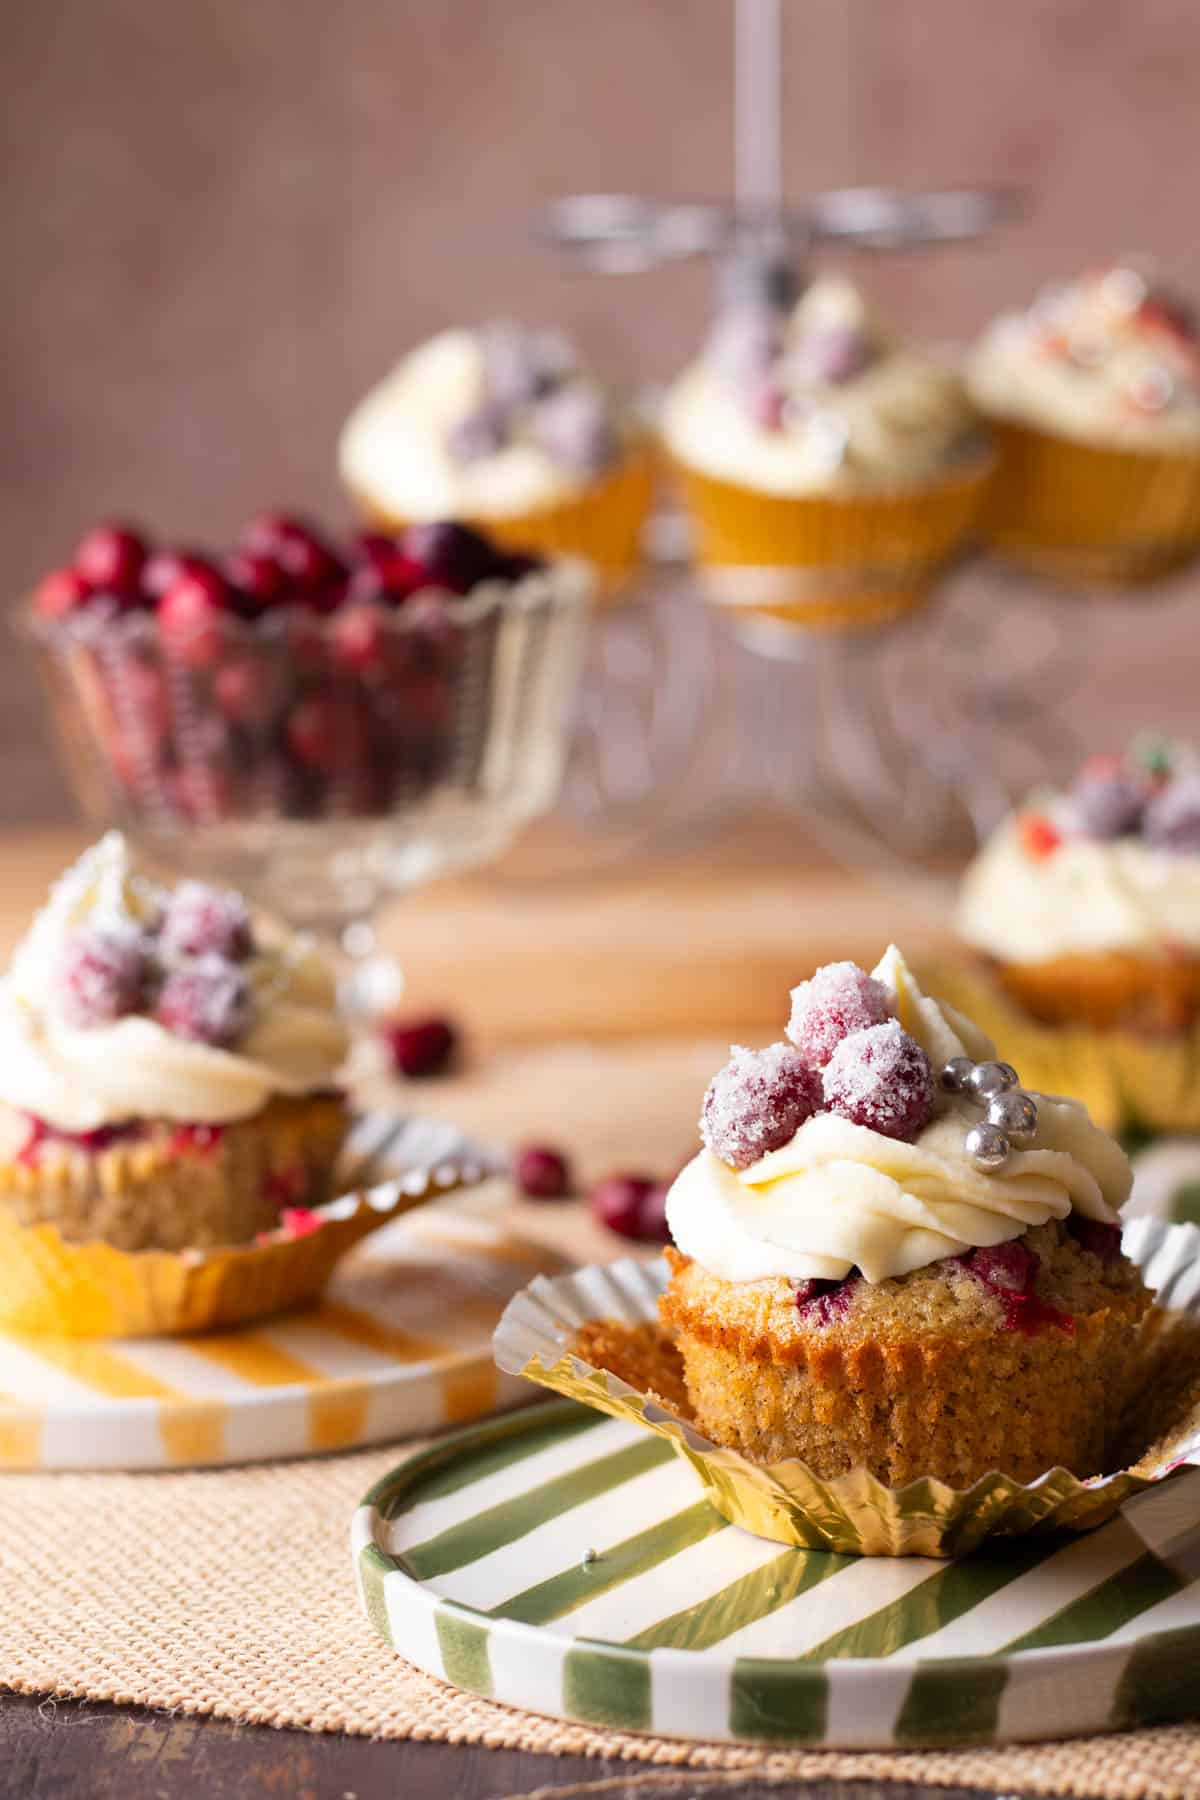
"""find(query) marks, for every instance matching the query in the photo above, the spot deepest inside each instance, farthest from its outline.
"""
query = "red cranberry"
(240, 688)
(402, 576)
(266, 533)
(757, 1103)
(204, 920)
(881, 1078)
(259, 580)
(821, 1302)
(309, 562)
(101, 976)
(450, 555)
(314, 732)
(541, 1174)
(191, 612)
(164, 568)
(840, 998)
(652, 1219)
(1009, 1267)
(360, 636)
(61, 592)
(208, 1001)
(420, 1047)
(111, 557)
(618, 1202)
(371, 547)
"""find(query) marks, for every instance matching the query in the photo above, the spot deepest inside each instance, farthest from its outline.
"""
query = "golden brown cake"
(891, 1256)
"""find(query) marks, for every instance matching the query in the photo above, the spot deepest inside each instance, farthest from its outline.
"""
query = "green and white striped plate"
(561, 1561)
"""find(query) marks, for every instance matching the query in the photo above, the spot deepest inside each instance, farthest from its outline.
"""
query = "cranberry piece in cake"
(841, 998)
(101, 976)
(204, 920)
(881, 1078)
(757, 1103)
(208, 1001)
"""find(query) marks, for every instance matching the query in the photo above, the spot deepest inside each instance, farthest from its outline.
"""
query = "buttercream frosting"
(840, 1196)
(79, 1079)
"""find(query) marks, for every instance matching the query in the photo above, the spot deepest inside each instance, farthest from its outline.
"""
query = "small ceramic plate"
(399, 1343)
(565, 1562)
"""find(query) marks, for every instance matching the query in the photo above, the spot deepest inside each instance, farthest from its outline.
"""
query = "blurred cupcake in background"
(1083, 914)
(502, 427)
(833, 474)
(1093, 394)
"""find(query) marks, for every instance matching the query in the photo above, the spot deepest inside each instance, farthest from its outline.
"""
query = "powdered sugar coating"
(757, 1103)
(881, 1078)
(840, 999)
(101, 975)
(207, 1000)
(202, 920)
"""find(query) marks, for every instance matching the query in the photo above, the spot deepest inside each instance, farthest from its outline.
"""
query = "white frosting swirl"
(841, 1196)
(896, 424)
(1093, 360)
(80, 1079)
(1088, 895)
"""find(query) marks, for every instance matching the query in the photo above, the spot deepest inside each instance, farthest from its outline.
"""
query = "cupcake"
(168, 1067)
(892, 1257)
(502, 427)
(1083, 916)
(832, 473)
(1093, 395)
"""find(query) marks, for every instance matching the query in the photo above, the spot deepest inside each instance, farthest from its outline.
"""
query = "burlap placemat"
(230, 1592)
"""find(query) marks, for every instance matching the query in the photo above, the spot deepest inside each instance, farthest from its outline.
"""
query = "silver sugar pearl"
(987, 1147)
(1013, 1113)
(990, 1078)
(955, 1074)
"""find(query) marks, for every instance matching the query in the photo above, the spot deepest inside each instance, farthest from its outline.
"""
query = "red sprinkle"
(1039, 838)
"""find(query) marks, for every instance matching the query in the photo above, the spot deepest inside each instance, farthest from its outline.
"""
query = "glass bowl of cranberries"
(320, 724)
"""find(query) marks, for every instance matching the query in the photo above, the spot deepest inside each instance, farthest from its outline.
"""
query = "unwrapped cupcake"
(168, 1084)
(832, 473)
(1093, 395)
(502, 427)
(1083, 915)
(892, 1257)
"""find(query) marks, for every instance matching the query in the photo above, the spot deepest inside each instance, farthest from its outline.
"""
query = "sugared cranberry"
(574, 429)
(1038, 837)
(208, 1001)
(821, 1302)
(481, 433)
(314, 732)
(835, 355)
(101, 976)
(881, 1078)
(766, 403)
(61, 592)
(202, 920)
(540, 1173)
(1102, 1240)
(191, 615)
(1173, 816)
(1107, 802)
(450, 555)
(757, 1102)
(259, 580)
(620, 1202)
(841, 998)
(111, 557)
(420, 1047)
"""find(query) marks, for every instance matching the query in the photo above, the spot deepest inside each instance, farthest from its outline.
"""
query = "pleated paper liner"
(854, 1513)
(603, 524)
(831, 562)
(1150, 1080)
(90, 1289)
(1085, 513)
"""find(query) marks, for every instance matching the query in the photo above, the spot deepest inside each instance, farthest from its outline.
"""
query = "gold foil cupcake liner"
(854, 1513)
(1088, 513)
(603, 524)
(1125, 1078)
(831, 562)
(91, 1289)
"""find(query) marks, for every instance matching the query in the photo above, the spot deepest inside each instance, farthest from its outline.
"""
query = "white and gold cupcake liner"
(854, 1513)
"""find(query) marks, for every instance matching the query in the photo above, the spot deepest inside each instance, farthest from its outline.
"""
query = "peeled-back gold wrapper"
(854, 1513)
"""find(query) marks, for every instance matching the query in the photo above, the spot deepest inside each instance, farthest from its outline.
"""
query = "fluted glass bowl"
(322, 763)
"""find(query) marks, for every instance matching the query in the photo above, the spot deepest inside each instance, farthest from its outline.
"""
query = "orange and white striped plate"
(400, 1344)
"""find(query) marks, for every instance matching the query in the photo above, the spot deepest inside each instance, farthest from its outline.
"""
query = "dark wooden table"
(75, 1750)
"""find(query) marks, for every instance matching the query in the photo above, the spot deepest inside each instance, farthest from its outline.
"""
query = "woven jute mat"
(230, 1592)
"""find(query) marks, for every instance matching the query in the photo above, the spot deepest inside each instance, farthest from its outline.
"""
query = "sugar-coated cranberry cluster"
(1151, 793)
(185, 969)
(847, 1055)
(289, 675)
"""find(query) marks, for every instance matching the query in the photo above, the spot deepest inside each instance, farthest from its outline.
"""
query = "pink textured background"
(222, 221)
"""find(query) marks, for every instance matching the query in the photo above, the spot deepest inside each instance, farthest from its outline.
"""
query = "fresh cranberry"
(259, 580)
(1173, 816)
(60, 593)
(266, 533)
(101, 976)
(620, 1202)
(757, 1103)
(652, 1219)
(191, 615)
(310, 563)
(450, 556)
(208, 1001)
(841, 998)
(314, 732)
(881, 1078)
(165, 567)
(111, 557)
(360, 637)
(821, 1302)
(1102, 1240)
(420, 1047)
(541, 1174)
(1038, 837)
(402, 575)
(201, 920)
(371, 547)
